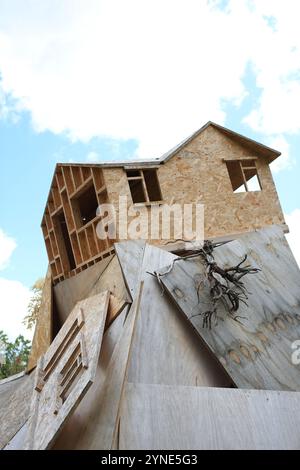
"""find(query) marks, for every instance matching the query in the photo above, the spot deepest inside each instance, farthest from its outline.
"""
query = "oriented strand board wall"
(43, 331)
(198, 173)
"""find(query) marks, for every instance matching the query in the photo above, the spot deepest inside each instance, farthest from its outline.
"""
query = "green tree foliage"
(34, 304)
(13, 355)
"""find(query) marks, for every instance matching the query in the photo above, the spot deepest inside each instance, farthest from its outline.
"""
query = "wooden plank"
(14, 406)
(43, 330)
(165, 348)
(102, 425)
(75, 429)
(112, 279)
(256, 353)
(70, 291)
(100, 411)
(60, 386)
(17, 442)
(115, 307)
(198, 418)
(130, 256)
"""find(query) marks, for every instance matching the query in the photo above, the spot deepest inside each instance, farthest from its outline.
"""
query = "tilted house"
(132, 350)
(219, 168)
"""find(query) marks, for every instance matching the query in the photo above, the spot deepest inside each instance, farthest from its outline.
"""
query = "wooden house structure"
(219, 168)
(131, 350)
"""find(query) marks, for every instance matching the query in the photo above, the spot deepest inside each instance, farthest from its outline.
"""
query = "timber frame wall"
(82, 248)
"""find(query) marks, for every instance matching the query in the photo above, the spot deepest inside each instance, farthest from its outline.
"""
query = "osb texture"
(198, 174)
(15, 399)
(256, 351)
(43, 330)
(176, 418)
(46, 414)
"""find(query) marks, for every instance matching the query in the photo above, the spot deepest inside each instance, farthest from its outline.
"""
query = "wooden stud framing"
(72, 246)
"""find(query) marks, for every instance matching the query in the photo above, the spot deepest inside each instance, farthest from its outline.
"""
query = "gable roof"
(258, 147)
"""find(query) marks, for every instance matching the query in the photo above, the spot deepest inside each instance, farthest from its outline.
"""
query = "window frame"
(242, 168)
(141, 178)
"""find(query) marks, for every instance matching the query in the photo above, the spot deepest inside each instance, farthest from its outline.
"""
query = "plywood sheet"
(130, 255)
(256, 353)
(115, 307)
(192, 418)
(43, 331)
(17, 442)
(96, 419)
(70, 291)
(165, 348)
(112, 279)
(80, 430)
(67, 370)
(14, 406)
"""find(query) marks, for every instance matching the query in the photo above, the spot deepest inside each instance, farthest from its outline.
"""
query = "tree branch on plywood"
(225, 284)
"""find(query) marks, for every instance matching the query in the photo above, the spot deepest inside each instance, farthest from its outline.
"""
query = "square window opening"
(243, 176)
(144, 185)
(87, 204)
(152, 185)
(137, 190)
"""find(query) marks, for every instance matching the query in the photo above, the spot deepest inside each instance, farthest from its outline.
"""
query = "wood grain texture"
(165, 348)
(70, 291)
(112, 279)
(115, 307)
(43, 330)
(99, 411)
(14, 406)
(46, 419)
(130, 255)
(256, 353)
(192, 418)
(18, 440)
(76, 430)
(103, 424)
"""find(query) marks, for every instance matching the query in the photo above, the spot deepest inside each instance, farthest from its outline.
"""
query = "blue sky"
(99, 80)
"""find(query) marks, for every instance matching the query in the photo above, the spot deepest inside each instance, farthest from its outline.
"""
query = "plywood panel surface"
(67, 370)
(191, 418)
(257, 353)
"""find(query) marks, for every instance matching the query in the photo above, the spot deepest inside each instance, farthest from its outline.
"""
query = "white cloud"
(93, 157)
(7, 246)
(293, 221)
(13, 308)
(14, 296)
(152, 70)
(280, 143)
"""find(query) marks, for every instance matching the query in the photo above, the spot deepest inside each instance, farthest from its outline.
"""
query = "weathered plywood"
(112, 279)
(130, 255)
(14, 406)
(70, 291)
(102, 426)
(79, 432)
(43, 330)
(17, 442)
(115, 307)
(99, 411)
(257, 353)
(67, 370)
(165, 348)
(192, 418)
